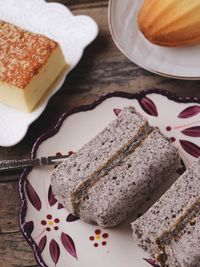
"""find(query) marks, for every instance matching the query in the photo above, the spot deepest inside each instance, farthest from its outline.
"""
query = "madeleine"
(170, 22)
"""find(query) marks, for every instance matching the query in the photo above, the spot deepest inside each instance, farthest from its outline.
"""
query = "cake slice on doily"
(29, 64)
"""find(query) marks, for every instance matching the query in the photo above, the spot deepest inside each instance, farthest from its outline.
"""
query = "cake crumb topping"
(22, 54)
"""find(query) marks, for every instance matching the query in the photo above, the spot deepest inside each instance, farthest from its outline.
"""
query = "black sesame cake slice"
(119, 193)
(117, 171)
(80, 170)
(184, 250)
(170, 229)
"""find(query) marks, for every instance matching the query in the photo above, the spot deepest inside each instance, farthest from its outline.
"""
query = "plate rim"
(126, 54)
(55, 129)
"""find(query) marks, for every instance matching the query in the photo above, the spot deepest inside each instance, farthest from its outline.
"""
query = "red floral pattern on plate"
(42, 243)
(189, 112)
(152, 262)
(99, 238)
(29, 226)
(54, 251)
(51, 197)
(33, 196)
(190, 148)
(71, 218)
(148, 106)
(68, 244)
(192, 131)
(117, 111)
(60, 206)
(50, 223)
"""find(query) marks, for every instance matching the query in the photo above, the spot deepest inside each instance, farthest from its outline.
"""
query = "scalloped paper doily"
(56, 21)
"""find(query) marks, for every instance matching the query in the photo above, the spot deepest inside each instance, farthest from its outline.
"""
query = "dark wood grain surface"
(102, 69)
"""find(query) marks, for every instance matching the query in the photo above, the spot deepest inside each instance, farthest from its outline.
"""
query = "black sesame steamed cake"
(116, 172)
(170, 229)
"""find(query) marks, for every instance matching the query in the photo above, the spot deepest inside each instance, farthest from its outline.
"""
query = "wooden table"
(102, 69)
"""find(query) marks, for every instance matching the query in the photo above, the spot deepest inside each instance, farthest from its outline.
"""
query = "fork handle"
(14, 164)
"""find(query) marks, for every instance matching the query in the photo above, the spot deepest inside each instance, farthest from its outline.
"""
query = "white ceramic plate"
(54, 20)
(181, 63)
(58, 238)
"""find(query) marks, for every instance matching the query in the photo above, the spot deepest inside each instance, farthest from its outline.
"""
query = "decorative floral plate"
(54, 20)
(60, 239)
(180, 62)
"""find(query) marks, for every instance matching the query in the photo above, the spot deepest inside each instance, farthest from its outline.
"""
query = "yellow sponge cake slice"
(29, 64)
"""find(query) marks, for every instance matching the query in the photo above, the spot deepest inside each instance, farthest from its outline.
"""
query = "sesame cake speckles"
(117, 171)
(22, 54)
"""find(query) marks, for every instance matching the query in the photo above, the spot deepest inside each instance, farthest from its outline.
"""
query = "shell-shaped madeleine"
(170, 22)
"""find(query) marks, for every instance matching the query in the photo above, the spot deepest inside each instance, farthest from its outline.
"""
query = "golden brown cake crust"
(22, 54)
